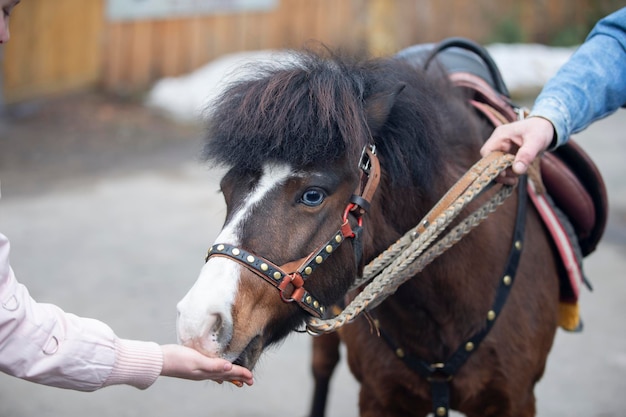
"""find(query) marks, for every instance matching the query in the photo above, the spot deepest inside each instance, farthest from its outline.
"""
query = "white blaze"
(204, 314)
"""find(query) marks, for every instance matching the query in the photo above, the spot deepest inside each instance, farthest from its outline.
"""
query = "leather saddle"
(570, 177)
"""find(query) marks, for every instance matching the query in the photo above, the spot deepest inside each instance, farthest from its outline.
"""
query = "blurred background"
(110, 212)
(123, 46)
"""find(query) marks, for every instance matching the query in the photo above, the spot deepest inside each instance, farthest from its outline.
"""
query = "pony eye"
(313, 197)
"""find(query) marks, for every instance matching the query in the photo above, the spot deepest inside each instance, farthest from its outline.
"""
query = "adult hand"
(525, 138)
(183, 362)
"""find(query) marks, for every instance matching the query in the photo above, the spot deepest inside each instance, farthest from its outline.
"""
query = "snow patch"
(525, 68)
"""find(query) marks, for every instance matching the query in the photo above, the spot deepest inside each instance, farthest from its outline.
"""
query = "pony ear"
(379, 105)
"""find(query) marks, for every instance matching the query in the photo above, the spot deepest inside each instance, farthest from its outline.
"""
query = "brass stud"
(211, 249)
(518, 244)
(220, 247)
(308, 270)
(308, 299)
(322, 309)
(316, 304)
(338, 238)
(491, 315)
(264, 267)
(400, 353)
(250, 258)
(329, 249)
(277, 275)
(319, 259)
(469, 346)
(236, 252)
(441, 411)
(507, 280)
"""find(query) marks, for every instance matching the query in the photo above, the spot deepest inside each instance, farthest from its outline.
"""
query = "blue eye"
(313, 197)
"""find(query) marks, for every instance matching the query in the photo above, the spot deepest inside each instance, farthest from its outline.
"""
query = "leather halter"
(290, 278)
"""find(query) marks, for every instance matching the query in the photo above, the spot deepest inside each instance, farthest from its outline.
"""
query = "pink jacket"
(41, 343)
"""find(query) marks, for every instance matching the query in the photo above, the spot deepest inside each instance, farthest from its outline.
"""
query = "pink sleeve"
(41, 343)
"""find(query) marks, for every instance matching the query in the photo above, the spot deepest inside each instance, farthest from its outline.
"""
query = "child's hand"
(183, 362)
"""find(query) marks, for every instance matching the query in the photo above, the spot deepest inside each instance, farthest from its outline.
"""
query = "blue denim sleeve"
(591, 85)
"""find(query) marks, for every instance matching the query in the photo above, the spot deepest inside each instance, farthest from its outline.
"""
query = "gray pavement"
(124, 246)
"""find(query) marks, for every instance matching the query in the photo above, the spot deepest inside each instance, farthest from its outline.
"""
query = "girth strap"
(440, 374)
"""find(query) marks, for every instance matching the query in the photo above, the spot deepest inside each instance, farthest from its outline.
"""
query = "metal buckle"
(364, 161)
(437, 374)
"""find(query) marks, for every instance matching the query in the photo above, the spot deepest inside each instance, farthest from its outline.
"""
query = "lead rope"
(413, 252)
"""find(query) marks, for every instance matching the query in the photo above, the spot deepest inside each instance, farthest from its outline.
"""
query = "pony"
(293, 139)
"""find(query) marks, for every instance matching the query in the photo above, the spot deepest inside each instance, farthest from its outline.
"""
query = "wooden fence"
(63, 44)
(56, 46)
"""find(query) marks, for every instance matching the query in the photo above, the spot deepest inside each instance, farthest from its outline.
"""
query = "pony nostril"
(214, 336)
(208, 333)
(214, 331)
(217, 325)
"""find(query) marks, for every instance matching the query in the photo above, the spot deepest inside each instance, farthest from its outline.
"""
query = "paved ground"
(110, 214)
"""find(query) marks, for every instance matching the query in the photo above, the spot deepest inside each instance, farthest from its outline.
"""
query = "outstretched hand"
(525, 138)
(183, 362)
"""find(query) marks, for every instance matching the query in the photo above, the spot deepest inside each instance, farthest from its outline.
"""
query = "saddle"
(571, 199)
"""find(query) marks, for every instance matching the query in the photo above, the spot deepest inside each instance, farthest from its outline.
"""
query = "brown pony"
(291, 139)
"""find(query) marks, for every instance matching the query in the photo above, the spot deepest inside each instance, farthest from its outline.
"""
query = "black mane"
(312, 111)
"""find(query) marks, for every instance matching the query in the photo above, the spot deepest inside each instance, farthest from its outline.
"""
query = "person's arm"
(589, 86)
(41, 343)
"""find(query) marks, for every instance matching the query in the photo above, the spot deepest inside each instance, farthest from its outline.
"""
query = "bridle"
(291, 277)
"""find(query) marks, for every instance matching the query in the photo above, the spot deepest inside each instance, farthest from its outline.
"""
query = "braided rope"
(411, 253)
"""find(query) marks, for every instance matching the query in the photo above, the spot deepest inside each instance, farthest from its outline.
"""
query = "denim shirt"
(591, 84)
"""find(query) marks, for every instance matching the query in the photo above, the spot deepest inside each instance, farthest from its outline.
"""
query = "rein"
(415, 250)
(440, 374)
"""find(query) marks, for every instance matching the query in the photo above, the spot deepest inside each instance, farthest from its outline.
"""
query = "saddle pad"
(572, 276)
